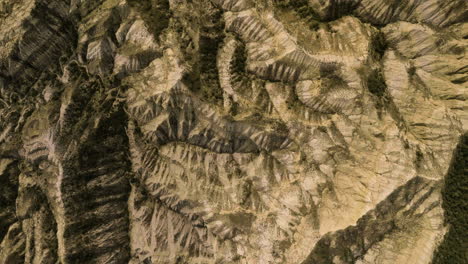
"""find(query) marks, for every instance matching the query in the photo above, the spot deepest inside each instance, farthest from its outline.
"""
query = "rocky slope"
(233, 131)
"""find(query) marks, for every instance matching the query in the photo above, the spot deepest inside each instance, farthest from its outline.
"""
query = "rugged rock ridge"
(229, 131)
(33, 33)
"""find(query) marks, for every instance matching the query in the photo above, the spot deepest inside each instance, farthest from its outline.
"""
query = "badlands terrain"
(233, 131)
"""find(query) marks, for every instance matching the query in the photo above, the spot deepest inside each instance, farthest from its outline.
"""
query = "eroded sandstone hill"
(233, 131)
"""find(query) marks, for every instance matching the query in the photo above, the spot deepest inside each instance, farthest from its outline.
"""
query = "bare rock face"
(233, 131)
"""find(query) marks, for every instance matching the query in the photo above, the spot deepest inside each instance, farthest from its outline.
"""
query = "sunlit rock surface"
(233, 131)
